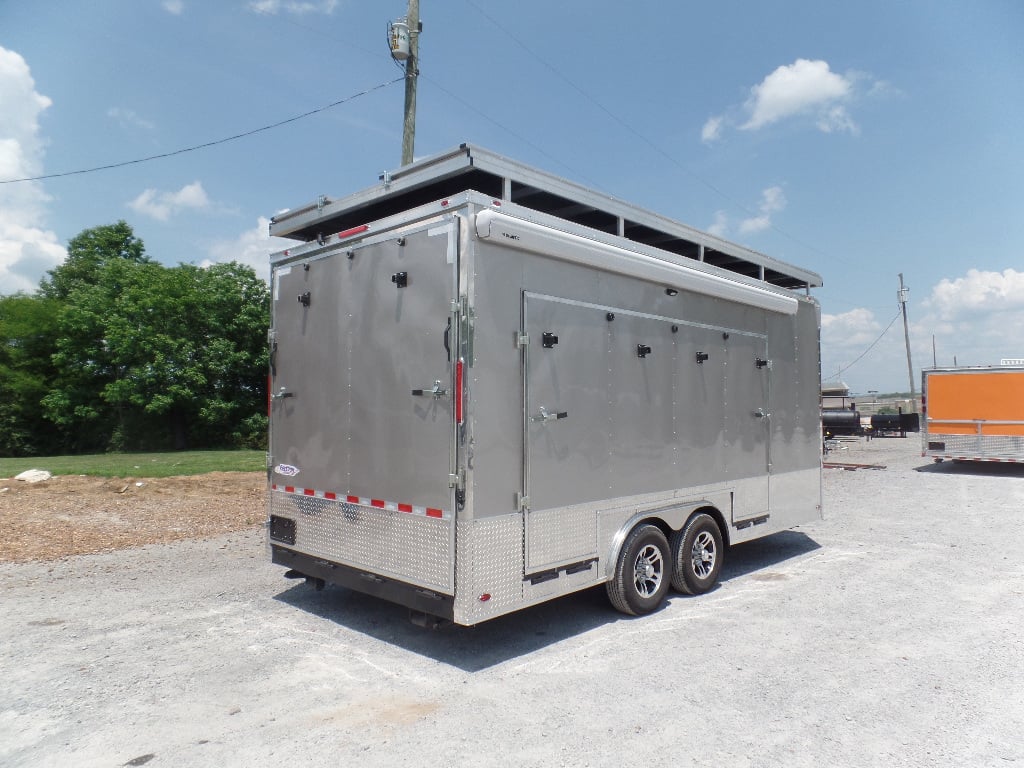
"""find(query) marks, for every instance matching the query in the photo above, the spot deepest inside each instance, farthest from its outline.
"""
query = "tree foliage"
(28, 332)
(88, 252)
(141, 356)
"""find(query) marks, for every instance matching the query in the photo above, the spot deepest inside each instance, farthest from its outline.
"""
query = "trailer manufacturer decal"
(287, 470)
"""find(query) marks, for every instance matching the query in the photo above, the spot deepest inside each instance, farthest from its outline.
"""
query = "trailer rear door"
(362, 383)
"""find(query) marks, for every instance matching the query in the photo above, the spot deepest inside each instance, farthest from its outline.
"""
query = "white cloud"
(977, 292)
(804, 89)
(847, 352)
(27, 249)
(977, 318)
(803, 86)
(720, 227)
(129, 118)
(712, 130)
(851, 330)
(253, 247)
(973, 319)
(772, 201)
(297, 7)
(174, 7)
(162, 205)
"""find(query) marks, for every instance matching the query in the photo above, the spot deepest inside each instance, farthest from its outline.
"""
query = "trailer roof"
(472, 168)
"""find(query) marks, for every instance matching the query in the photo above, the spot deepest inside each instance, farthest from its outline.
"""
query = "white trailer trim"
(527, 236)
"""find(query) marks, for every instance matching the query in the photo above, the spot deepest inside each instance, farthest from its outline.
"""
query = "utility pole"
(906, 336)
(412, 71)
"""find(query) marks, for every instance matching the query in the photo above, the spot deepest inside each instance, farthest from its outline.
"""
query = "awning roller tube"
(527, 236)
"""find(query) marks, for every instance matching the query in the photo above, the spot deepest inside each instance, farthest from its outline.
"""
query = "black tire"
(697, 554)
(642, 573)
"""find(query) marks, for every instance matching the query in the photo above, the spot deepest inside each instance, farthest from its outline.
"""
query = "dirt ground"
(78, 515)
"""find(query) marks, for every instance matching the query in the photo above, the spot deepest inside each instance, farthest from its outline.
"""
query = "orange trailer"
(973, 414)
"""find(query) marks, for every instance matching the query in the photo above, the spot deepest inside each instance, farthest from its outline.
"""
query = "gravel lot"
(889, 633)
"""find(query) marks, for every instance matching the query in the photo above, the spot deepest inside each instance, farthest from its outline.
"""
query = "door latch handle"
(281, 394)
(436, 391)
(760, 414)
(545, 416)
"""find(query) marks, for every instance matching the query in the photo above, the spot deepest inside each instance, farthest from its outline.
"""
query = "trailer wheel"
(697, 553)
(641, 577)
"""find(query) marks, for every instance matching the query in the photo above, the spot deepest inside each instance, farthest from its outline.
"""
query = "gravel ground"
(889, 633)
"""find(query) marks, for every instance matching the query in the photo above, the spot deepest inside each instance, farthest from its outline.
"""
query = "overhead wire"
(455, 97)
(635, 132)
(207, 144)
(841, 371)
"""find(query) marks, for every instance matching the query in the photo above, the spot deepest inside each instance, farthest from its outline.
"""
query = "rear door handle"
(545, 416)
(436, 391)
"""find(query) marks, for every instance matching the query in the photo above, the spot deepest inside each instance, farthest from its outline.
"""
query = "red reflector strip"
(387, 506)
(354, 231)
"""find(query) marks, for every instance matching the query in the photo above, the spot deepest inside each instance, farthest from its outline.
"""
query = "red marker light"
(458, 391)
(354, 231)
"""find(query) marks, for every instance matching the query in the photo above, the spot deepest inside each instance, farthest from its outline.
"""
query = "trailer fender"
(668, 519)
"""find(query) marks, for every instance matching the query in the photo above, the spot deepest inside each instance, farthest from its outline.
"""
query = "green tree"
(28, 334)
(88, 252)
(154, 357)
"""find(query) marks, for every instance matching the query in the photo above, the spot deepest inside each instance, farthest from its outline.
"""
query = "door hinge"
(522, 502)
(457, 480)
(522, 340)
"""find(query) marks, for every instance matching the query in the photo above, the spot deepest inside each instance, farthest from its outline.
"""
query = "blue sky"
(859, 140)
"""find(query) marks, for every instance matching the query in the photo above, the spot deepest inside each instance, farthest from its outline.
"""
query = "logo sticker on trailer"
(287, 470)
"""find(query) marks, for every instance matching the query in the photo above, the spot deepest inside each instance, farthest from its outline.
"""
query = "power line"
(635, 132)
(844, 370)
(209, 143)
(454, 96)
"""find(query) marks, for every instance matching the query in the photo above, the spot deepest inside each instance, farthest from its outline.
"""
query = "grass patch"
(141, 464)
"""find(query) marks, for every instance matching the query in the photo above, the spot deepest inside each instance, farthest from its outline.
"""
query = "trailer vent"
(282, 529)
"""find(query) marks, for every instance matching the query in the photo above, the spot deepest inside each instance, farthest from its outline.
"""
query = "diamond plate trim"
(559, 536)
(1006, 447)
(410, 548)
(490, 561)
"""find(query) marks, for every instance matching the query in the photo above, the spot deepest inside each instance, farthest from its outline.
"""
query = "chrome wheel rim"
(703, 555)
(648, 571)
